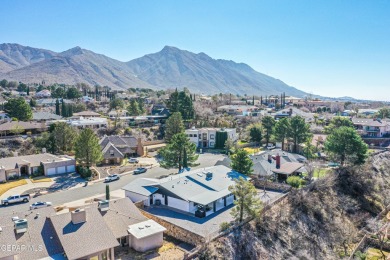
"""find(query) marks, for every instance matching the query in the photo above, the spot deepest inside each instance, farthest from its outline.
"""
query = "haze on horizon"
(331, 48)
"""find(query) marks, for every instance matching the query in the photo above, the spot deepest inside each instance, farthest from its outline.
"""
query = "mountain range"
(168, 68)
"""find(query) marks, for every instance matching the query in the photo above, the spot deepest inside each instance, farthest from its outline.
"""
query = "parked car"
(40, 204)
(140, 170)
(15, 199)
(133, 160)
(113, 177)
(270, 147)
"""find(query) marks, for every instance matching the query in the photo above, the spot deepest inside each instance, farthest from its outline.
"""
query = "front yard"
(10, 185)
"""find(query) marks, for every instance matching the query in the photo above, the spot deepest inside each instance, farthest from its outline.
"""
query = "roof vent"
(20, 226)
(104, 205)
(78, 216)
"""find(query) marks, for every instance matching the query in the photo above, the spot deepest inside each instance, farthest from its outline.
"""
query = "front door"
(151, 200)
(24, 170)
(166, 200)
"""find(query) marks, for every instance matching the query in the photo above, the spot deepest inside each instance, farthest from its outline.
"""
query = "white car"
(133, 160)
(40, 204)
(113, 177)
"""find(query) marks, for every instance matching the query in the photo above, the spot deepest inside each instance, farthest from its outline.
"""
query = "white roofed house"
(200, 192)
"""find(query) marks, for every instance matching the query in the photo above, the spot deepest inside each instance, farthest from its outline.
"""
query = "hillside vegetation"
(320, 221)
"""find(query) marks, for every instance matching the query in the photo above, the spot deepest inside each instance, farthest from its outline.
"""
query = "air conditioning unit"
(104, 205)
(21, 226)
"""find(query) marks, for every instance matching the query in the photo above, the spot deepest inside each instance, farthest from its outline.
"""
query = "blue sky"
(331, 48)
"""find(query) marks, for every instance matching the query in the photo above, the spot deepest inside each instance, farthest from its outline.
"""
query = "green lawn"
(321, 172)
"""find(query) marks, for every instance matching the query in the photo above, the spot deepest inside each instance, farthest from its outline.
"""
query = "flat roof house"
(211, 137)
(200, 192)
(17, 166)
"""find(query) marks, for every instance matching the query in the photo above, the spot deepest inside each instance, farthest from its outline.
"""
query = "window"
(211, 144)
(190, 135)
(204, 136)
(195, 135)
(111, 152)
(212, 136)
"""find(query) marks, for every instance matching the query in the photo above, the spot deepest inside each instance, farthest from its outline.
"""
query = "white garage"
(61, 169)
(51, 171)
(71, 168)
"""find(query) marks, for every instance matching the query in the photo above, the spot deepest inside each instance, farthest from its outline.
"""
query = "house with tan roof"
(115, 148)
(90, 232)
(18, 166)
(372, 127)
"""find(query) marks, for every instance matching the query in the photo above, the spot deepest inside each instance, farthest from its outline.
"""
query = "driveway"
(72, 191)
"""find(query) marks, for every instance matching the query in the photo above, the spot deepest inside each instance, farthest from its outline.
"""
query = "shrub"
(83, 171)
(224, 226)
(295, 181)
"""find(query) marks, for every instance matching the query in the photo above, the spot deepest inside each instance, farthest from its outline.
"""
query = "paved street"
(61, 197)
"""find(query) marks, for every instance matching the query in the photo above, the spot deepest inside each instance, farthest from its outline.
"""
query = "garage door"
(51, 171)
(71, 168)
(61, 169)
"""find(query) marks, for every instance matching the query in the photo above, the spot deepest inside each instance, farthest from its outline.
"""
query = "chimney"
(269, 158)
(104, 205)
(78, 216)
(277, 161)
(21, 225)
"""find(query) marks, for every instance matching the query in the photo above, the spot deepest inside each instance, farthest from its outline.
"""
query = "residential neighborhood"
(195, 130)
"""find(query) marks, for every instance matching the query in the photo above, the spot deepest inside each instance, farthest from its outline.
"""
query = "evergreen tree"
(18, 108)
(179, 153)
(173, 102)
(33, 103)
(63, 136)
(141, 106)
(268, 123)
(345, 145)
(70, 110)
(64, 111)
(255, 133)
(87, 148)
(241, 162)
(58, 107)
(298, 131)
(247, 203)
(133, 108)
(281, 130)
(337, 122)
(107, 192)
(174, 125)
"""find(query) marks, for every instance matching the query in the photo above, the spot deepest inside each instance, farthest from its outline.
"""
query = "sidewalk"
(116, 194)
(30, 185)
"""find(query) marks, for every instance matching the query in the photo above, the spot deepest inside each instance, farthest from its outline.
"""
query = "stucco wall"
(147, 243)
(178, 204)
(137, 197)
